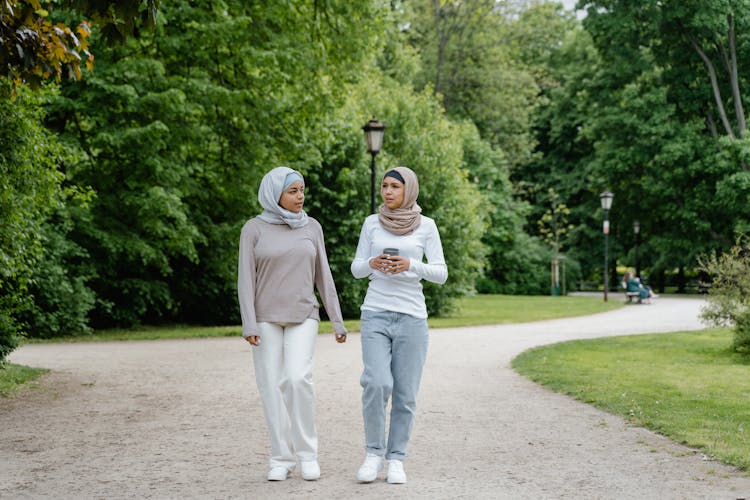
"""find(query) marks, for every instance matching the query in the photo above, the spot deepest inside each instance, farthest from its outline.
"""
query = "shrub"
(729, 295)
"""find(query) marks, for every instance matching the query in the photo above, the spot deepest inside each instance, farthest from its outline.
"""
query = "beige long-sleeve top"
(278, 268)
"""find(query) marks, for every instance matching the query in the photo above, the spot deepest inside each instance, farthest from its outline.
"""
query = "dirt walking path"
(182, 419)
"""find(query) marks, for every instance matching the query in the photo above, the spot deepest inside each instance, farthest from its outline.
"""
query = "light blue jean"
(394, 348)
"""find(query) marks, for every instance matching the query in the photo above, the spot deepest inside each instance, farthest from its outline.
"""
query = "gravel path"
(182, 419)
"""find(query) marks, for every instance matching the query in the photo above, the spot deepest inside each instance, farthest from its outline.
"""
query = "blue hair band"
(291, 178)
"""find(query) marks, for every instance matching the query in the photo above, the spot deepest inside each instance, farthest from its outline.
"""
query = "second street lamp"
(606, 199)
(374, 131)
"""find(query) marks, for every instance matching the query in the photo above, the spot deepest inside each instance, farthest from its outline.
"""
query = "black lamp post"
(374, 131)
(606, 198)
(636, 230)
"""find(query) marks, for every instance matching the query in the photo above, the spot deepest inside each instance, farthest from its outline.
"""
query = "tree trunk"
(660, 280)
(715, 87)
(711, 123)
(442, 39)
(734, 79)
(614, 282)
(681, 279)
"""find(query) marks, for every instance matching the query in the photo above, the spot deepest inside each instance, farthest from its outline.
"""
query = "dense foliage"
(515, 115)
(176, 156)
(37, 45)
(29, 190)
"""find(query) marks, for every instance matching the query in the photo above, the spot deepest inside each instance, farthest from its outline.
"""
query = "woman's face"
(392, 191)
(293, 198)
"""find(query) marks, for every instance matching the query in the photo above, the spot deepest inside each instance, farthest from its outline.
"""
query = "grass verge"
(470, 311)
(501, 309)
(13, 377)
(687, 386)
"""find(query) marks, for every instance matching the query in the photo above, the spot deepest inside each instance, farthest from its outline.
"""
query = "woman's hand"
(393, 264)
(398, 264)
(253, 339)
(380, 263)
(340, 338)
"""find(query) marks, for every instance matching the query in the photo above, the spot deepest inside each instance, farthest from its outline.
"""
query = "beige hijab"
(405, 219)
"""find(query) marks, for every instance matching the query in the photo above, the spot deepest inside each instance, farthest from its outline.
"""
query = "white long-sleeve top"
(399, 292)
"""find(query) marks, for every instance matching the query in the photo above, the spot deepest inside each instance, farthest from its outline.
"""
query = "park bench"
(629, 296)
(696, 286)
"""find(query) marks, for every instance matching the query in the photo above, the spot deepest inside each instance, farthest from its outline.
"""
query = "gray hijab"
(271, 188)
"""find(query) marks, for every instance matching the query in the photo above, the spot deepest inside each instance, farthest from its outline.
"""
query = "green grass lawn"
(475, 310)
(470, 311)
(687, 386)
(501, 309)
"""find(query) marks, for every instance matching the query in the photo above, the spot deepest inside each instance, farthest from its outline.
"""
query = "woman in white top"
(391, 249)
(282, 257)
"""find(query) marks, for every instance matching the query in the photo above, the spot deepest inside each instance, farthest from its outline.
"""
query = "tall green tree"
(38, 293)
(467, 59)
(471, 58)
(29, 190)
(197, 112)
(677, 69)
(567, 71)
(418, 135)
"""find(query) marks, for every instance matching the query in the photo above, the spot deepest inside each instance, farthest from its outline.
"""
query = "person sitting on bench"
(633, 285)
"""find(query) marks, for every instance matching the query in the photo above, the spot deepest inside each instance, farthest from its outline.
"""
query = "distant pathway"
(182, 419)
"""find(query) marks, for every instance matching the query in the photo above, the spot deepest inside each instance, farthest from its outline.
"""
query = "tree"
(553, 227)
(29, 189)
(422, 138)
(678, 65)
(701, 43)
(468, 61)
(176, 155)
(34, 47)
(472, 59)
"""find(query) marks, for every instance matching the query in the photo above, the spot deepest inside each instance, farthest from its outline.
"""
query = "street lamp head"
(374, 131)
(606, 198)
(636, 227)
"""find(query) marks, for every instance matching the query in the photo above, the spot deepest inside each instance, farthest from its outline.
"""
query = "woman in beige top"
(282, 258)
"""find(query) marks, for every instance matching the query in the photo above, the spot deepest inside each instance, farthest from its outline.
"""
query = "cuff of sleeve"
(340, 331)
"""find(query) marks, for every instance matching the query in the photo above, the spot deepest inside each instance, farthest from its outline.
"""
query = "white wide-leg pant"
(283, 370)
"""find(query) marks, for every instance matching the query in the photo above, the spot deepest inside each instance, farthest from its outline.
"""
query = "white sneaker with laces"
(278, 474)
(396, 474)
(370, 468)
(310, 470)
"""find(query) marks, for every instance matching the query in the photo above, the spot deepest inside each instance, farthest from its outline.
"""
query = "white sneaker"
(278, 473)
(370, 468)
(310, 470)
(396, 474)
